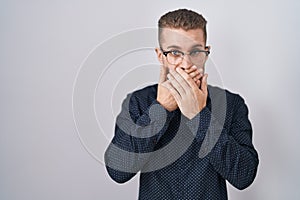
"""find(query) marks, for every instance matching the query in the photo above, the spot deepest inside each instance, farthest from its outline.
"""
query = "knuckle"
(189, 78)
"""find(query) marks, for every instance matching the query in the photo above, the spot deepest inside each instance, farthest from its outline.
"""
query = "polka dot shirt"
(181, 158)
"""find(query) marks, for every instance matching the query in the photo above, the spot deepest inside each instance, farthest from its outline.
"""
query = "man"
(186, 138)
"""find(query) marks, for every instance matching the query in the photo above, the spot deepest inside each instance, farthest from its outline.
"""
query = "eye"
(176, 53)
(195, 52)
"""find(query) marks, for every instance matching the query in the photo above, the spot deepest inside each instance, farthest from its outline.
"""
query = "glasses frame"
(165, 53)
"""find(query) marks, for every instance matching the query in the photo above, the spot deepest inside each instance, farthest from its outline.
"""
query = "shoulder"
(146, 94)
(150, 90)
(224, 101)
(232, 99)
(139, 100)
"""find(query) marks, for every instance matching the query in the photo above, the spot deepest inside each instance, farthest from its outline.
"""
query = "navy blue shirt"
(181, 158)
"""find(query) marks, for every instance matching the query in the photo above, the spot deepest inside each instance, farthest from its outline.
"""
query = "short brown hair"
(182, 19)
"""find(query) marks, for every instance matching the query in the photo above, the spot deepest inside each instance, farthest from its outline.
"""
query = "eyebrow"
(178, 47)
(197, 45)
(173, 46)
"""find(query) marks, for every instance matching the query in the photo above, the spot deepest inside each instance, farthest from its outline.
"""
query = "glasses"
(175, 57)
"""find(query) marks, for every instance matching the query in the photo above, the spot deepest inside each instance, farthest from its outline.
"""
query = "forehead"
(181, 38)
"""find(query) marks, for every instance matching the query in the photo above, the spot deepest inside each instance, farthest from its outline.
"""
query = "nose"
(186, 62)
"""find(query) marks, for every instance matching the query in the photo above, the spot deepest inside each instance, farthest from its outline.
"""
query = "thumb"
(204, 83)
(163, 74)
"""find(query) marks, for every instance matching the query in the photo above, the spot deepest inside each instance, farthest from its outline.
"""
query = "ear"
(207, 48)
(159, 55)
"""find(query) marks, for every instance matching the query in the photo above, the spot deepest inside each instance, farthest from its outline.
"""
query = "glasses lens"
(198, 59)
(174, 59)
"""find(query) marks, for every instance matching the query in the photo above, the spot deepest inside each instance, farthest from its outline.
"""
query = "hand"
(164, 96)
(189, 97)
(195, 73)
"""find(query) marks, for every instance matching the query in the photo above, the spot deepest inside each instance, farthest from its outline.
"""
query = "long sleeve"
(234, 156)
(138, 128)
(181, 158)
(229, 148)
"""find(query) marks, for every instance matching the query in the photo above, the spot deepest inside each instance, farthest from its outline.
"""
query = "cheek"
(173, 67)
(166, 64)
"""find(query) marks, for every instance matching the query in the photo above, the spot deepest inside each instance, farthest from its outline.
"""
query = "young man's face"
(179, 40)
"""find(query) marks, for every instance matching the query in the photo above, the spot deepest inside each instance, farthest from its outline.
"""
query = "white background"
(255, 45)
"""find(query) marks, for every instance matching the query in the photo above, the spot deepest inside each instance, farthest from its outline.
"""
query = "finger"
(164, 84)
(198, 83)
(201, 71)
(191, 69)
(194, 73)
(172, 90)
(204, 83)
(181, 81)
(163, 74)
(185, 80)
(197, 78)
(176, 84)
